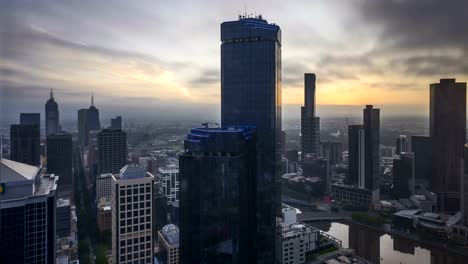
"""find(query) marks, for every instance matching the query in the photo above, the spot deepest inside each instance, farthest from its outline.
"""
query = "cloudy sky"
(162, 57)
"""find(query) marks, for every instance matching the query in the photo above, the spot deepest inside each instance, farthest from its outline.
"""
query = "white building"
(169, 178)
(103, 186)
(168, 238)
(132, 218)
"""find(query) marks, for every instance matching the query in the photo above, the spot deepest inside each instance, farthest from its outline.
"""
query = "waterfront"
(379, 247)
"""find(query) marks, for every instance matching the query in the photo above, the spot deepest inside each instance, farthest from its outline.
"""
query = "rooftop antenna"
(51, 94)
(92, 98)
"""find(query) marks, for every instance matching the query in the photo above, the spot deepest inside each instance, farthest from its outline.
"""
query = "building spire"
(92, 98)
(51, 94)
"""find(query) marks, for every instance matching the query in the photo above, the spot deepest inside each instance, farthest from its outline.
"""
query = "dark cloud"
(207, 77)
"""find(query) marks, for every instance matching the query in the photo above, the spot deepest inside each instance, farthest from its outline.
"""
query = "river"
(379, 247)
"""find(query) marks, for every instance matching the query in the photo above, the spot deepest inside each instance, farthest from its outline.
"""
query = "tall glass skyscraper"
(251, 96)
(51, 115)
(217, 191)
(310, 123)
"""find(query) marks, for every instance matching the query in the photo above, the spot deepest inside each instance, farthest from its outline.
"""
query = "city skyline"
(383, 60)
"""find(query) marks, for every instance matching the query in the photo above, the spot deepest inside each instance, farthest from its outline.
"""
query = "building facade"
(59, 152)
(51, 115)
(132, 219)
(93, 117)
(83, 130)
(116, 122)
(168, 238)
(251, 96)
(421, 147)
(372, 147)
(310, 123)
(403, 175)
(103, 186)
(112, 150)
(27, 214)
(217, 180)
(25, 144)
(401, 144)
(447, 127)
(169, 178)
(356, 160)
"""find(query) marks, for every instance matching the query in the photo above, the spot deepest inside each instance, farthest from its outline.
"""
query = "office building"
(168, 238)
(314, 166)
(51, 115)
(352, 195)
(169, 177)
(310, 123)
(27, 214)
(59, 153)
(447, 128)
(372, 149)
(403, 175)
(251, 96)
(356, 160)
(83, 130)
(63, 217)
(333, 151)
(421, 147)
(217, 180)
(103, 186)
(112, 150)
(93, 116)
(132, 218)
(401, 144)
(116, 122)
(25, 144)
(104, 214)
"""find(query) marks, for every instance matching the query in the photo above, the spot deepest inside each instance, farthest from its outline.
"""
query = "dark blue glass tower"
(51, 115)
(251, 95)
(217, 190)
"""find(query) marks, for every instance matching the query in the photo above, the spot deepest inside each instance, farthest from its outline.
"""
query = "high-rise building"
(314, 166)
(27, 214)
(132, 216)
(116, 122)
(401, 144)
(103, 186)
(310, 123)
(93, 116)
(447, 131)
(59, 158)
(112, 150)
(169, 177)
(333, 150)
(251, 96)
(217, 181)
(25, 144)
(403, 175)
(168, 239)
(372, 148)
(51, 115)
(83, 130)
(356, 160)
(421, 147)
(63, 217)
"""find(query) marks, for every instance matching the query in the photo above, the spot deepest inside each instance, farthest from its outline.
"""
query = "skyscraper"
(251, 96)
(447, 131)
(51, 115)
(27, 214)
(25, 144)
(218, 187)
(112, 150)
(421, 147)
(59, 159)
(403, 175)
(401, 144)
(83, 129)
(310, 123)
(116, 122)
(356, 161)
(31, 119)
(372, 149)
(93, 117)
(132, 216)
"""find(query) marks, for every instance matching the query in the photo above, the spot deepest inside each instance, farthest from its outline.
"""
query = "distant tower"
(447, 131)
(59, 159)
(116, 122)
(310, 123)
(25, 144)
(372, 149)
(403, 175)
(112, 150)
(356, 162)
(83, 129)
(51, 115)
(401, 144)
(93, 116)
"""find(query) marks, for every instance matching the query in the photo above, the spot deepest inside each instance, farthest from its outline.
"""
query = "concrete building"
(51, 115)
(169, 177)
(26, 195)
(401, 144)
(25, 144)
(352, 195)
(63, 218)
(112, 151)
(447, 131)
(168, 238)
(310, 123)
(103, 186)
(332, 151)
(132, 218)
(104, 214)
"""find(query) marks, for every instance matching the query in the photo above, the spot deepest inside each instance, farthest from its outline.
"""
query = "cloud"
(206, 78)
